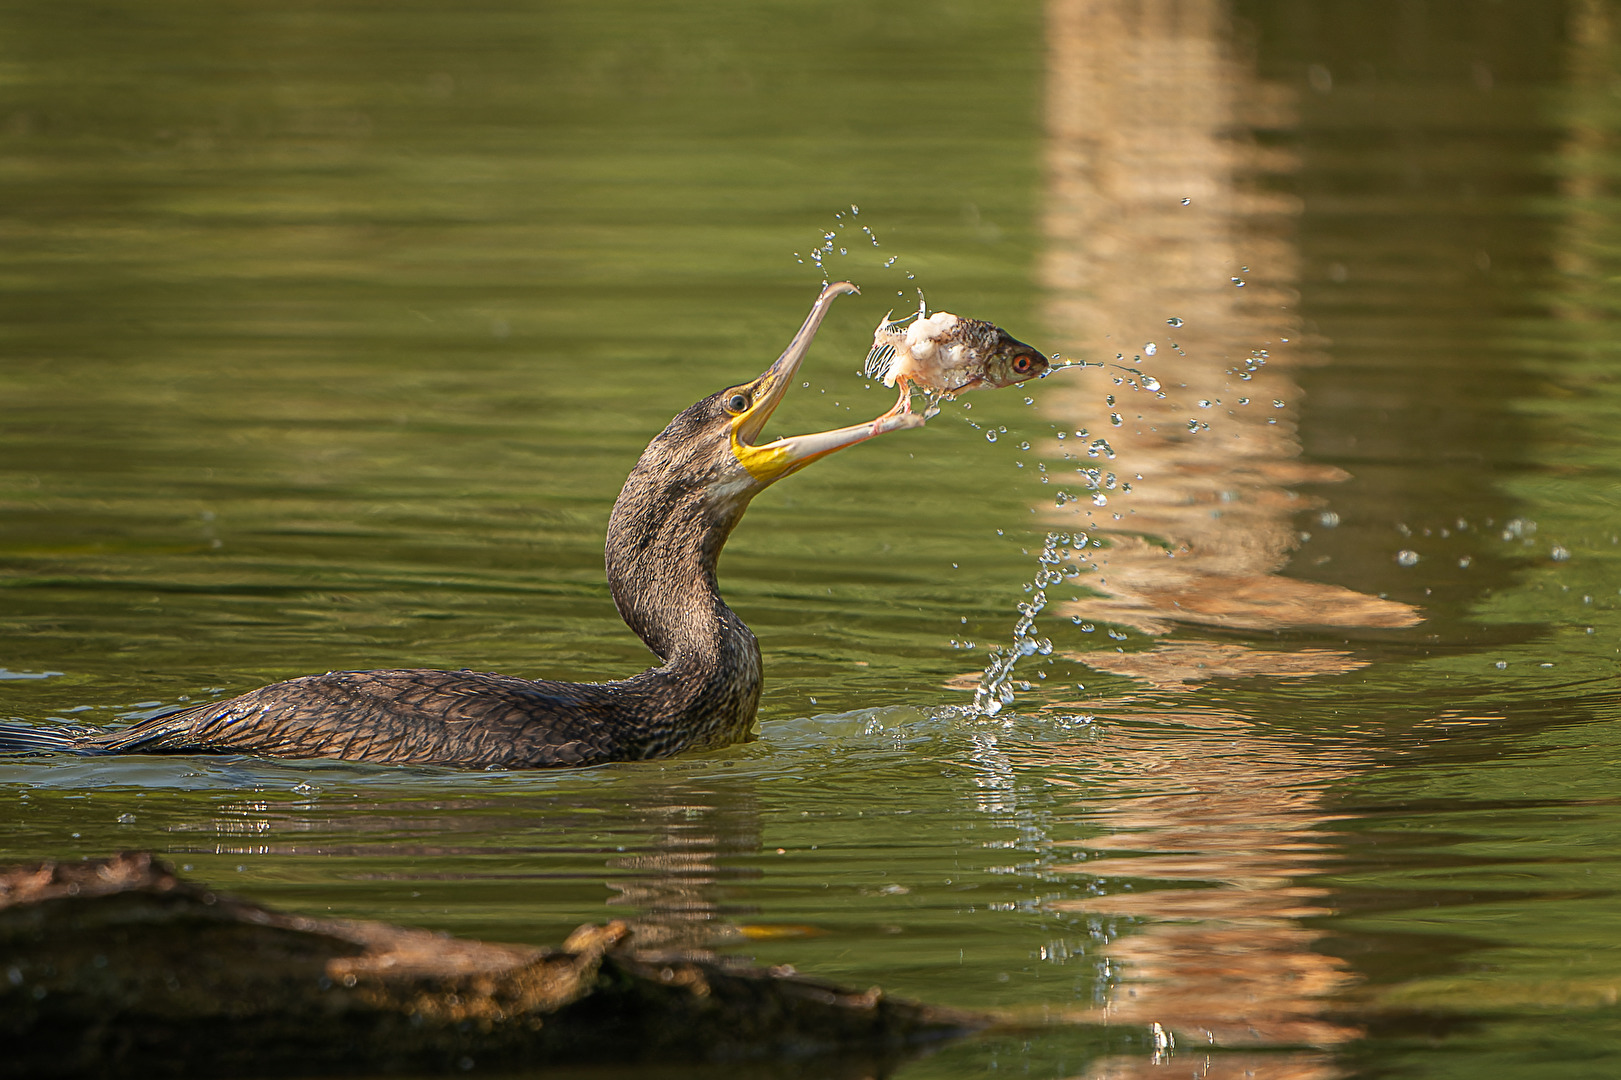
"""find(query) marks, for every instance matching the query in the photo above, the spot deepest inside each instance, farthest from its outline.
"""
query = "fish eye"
(1022, 364)
(737, 403)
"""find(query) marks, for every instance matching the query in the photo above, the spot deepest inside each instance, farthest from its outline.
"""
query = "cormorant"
(681, 501)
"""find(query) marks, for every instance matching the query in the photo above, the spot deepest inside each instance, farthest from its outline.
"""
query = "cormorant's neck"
(664, 541)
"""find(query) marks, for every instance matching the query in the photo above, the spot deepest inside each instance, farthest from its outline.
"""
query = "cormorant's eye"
(1022, 364)
(737, 403)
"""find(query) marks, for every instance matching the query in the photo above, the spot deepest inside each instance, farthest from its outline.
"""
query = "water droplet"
(1173, 321)
(1276, 404)
(1150, 383)
(1024, 446)
(1500, 665)
(1150, 349)
(1406, 558)
(1328, 519)
(1239, 282)
(990, 436)
(1114, 418)
(1187, 202)
(1560, 553)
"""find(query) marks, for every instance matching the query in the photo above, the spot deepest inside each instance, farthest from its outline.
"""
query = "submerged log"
(116, 967)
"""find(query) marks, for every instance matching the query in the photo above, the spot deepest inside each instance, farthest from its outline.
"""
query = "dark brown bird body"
(678, 506)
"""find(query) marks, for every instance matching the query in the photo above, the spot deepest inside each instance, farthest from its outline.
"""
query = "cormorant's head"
(713, 447)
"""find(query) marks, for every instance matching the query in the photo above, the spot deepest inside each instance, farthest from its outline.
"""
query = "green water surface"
(328, 332)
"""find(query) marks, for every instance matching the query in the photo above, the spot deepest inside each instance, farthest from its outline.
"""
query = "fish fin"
(891, 325)
(879, 362)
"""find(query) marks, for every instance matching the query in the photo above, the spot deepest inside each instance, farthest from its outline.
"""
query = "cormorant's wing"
(401, 717)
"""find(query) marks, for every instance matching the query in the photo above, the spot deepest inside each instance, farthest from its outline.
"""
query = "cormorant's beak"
(777, 459)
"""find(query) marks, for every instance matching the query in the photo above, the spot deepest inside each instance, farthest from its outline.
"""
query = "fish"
(945, 355)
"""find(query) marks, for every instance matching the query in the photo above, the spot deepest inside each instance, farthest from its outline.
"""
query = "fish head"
(1007, 360)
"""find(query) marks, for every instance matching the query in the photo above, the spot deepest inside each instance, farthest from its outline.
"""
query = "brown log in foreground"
(115, 967)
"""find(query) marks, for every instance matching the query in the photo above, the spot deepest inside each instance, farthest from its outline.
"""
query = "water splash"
(834, 243)
(995, 690)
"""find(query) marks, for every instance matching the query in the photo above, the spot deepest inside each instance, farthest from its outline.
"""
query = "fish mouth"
(774, 460)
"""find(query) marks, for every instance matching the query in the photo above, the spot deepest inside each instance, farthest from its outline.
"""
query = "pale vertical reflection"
(1150, 104)
(1584, 160)
(1157, 210)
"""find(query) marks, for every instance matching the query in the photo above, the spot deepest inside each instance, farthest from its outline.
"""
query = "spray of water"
(996, 685)
(835, 243)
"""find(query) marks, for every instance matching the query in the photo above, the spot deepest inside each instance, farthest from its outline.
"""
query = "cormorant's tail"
(27, 739)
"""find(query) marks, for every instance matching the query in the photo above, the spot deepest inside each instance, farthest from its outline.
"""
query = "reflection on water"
(1169, 250)
(331, 332)
(676, 885)
(1214, 838)
(1173, 246)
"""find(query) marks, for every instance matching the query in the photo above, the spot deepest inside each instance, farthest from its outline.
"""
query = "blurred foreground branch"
(116, 967)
